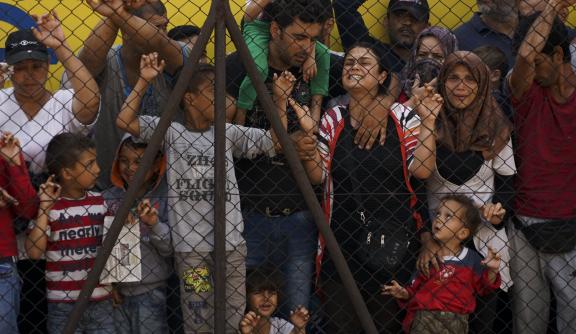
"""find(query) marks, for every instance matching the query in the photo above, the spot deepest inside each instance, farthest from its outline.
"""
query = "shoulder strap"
(351, 167)
(413, 198)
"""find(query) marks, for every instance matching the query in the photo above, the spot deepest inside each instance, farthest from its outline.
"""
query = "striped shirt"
(74, 236)
(407, 124)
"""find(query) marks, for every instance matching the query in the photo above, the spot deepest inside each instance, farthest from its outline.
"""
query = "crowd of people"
(442, 160)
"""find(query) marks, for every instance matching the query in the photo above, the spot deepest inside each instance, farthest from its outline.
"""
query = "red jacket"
(16, 181)
(453, 288)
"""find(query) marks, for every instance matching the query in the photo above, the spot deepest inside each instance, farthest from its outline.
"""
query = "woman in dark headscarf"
(465, 148)
(432, 46)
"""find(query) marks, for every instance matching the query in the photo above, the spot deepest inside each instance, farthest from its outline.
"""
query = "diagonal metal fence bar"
(149, 155)
(301, 177)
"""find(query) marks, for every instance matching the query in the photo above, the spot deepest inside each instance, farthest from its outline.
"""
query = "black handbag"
(384, 243)
(555, 237)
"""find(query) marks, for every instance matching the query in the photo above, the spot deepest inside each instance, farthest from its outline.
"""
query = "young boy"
(442, 301)
(17, 199)
(68, 231)
(189, 148)
(141, 306)
(262, 290)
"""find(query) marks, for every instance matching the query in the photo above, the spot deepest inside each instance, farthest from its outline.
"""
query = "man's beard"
(399, 43)
(501, 10)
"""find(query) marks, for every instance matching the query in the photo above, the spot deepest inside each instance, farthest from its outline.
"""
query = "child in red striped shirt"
(68, 231)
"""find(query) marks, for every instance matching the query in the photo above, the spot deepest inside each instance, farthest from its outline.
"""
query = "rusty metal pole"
(301, 178)
(154, 145)
(220, 178)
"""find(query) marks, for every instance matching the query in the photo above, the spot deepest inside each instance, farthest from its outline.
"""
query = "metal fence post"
(220, 178)
(151, 151)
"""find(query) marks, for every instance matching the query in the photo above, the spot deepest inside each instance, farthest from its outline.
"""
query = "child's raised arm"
(309, 68)
(395, 290)
(254, 9)
(307, 143)
(38, 237)
(23, 202)
(428, 108)
(492, 264)
(282, 89)
(127, 119)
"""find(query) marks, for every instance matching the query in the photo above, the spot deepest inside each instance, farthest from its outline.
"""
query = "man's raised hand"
(49, 31)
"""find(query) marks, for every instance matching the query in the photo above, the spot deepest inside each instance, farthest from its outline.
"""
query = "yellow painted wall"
(78, 18)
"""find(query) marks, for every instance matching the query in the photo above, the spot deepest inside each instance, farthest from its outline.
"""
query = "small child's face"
(263, 302)
(86, 170)
(128, 162)
(449, 223)
(203, 100)
(495, 76)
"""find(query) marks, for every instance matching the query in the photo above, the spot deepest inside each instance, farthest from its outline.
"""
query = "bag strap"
(349, 163)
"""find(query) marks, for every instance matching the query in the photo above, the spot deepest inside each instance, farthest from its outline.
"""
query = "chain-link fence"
(288, 166)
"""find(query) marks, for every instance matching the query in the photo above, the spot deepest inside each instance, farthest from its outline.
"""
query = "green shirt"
(257, 37)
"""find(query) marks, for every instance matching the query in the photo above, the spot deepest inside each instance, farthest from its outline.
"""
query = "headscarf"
(482, 126)
(448, 43)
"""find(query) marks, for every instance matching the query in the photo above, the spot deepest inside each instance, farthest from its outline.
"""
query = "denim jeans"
(97, 318)
(10, 285)
(290, 243)
(145, 313)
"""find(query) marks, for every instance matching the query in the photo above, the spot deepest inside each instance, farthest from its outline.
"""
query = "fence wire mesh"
(438, 137)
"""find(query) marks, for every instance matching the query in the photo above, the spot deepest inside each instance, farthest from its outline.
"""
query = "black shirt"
(476, 33)
(266, 182)
(382, 190)
(458, 167)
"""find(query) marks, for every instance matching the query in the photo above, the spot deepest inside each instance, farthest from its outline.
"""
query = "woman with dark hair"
(369, 198)
(465, 147)
(430, 49)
